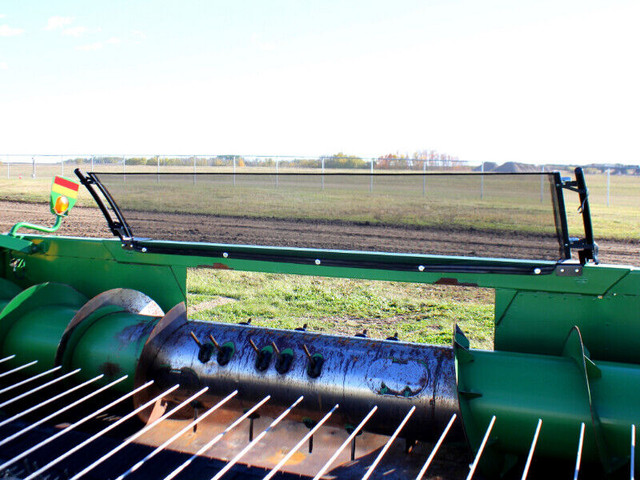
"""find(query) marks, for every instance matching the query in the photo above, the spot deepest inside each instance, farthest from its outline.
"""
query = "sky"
(546, 81)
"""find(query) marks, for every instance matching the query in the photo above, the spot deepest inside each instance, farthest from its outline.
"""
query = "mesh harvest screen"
(479, 215)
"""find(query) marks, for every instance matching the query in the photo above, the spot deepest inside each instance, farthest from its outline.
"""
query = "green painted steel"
(538, 322)
(89, 266)
(32, 323)
(52, 229)
(563, 391)
(15, 243)
(8, 290)
(109, 342)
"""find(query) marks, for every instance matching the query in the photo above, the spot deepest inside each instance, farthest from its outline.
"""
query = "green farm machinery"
(104, 376)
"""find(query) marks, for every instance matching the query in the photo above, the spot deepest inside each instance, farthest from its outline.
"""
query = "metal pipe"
(179, 434)
(579, 454)
(216, 439)
(388, 444)
(426, 465)
(349, 439)
(633, 452)
(50, 400)
(5, 359)
(251, 444)
(38, 388)
(67, 429)
(17, 369)
(139, 433)
(355, 372)
(476, 460)
(525, 472)
(286, 458)
(29, 380)
(99, 434)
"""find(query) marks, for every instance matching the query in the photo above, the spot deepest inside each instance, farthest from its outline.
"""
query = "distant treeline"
(417, 161)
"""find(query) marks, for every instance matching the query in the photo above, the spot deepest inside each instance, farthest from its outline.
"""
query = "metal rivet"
(144, 250)
(225, 255)
(537, 271)
(421, 268)
(318, 262)
(562, 270)
(577, 270)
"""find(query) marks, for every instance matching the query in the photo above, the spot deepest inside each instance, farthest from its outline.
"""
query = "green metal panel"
(109, 343)
(33, 321)
(87, 264)
(563, 391)
(538, 322)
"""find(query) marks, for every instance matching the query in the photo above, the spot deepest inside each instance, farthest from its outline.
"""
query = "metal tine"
(17, 369)
(633, 452)
(360, 426)
(36, 389)
(5, 359)
(251, 444)
(139, 433)
(49, 400)
(217, 438)
(99, 434)
(427, 464)
(29, 380)
(579, 454)
(286, 458)
(58, 412)
(476, 460)
(388, 444)
(525, 472)
(70, 427)
(179, 434)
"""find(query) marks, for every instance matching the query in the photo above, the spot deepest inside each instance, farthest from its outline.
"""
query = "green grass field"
(418, 313)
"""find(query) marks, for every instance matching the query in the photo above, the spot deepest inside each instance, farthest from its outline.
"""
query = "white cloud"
(57, 22)
(75, 31)
(138, 35)
(3, 66)
(113, 41)
(260, 44)
(90, 47)
(2, 15)
(7, 31)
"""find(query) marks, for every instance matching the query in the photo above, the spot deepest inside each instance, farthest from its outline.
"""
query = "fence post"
(124, 169)
(542, 186)
(33, 167)
(608, 184)
(234, 171)
(157, 168)
(371, 177)
(482, 181)
(194, 170)
(277, 172)
(424, 178)
(322, 171)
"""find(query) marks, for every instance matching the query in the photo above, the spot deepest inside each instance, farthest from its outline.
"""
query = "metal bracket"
(569, 270)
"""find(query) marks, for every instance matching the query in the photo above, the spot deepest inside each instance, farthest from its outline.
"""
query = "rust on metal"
(216, 266)
(454, 282)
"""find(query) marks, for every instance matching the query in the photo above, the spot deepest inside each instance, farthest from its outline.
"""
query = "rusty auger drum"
(104, 376)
